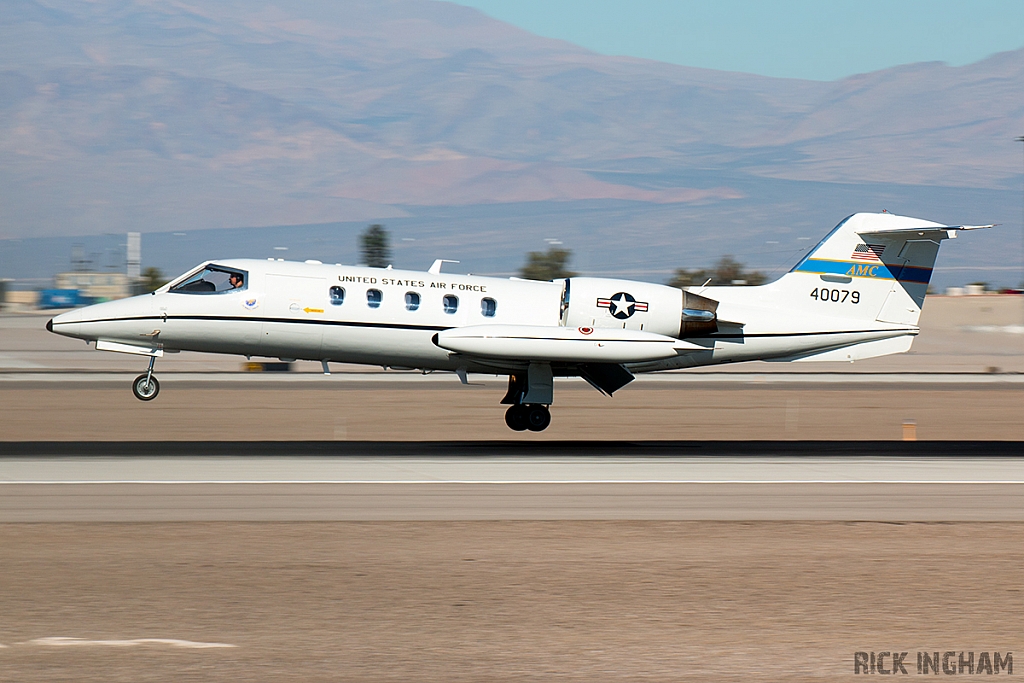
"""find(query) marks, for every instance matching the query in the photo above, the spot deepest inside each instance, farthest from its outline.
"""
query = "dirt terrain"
(481, 601)
(421, 409)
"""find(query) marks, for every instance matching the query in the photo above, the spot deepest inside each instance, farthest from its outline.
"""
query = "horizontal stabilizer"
(938, 231)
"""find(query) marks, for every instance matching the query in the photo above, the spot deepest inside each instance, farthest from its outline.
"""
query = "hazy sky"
(819, 39)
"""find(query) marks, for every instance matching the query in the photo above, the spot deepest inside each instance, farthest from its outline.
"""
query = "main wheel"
(145, 390)
(517, 418)
(538, 417)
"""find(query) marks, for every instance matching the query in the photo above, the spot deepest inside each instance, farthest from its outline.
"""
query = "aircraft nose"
(65, 324)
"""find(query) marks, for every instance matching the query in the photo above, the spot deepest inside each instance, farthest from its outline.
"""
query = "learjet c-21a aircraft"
(857, 294)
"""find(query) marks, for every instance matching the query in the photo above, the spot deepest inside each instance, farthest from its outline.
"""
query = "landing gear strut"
(529, 393)
(146, 387)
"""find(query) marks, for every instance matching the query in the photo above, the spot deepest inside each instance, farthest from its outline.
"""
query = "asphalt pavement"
(55, 482)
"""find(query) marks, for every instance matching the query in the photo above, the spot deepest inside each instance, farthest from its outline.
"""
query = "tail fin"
(877, 264)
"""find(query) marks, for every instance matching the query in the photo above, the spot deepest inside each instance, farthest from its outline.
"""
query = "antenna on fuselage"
(436, 268)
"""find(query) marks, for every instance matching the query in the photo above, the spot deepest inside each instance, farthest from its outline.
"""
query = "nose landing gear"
(146, 387)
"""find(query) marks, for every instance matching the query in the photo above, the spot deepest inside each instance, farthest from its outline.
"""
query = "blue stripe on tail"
(877, 271)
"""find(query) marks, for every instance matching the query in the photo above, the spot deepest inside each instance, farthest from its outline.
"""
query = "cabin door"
(293, 320)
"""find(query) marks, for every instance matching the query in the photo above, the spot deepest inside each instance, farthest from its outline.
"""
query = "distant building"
(977, 289)
(101, 286)
(16, 299)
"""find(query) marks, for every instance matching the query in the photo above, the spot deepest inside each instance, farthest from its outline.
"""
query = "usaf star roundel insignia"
(622, 305)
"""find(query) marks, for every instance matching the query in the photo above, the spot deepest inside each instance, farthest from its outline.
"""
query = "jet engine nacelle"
(631, 305)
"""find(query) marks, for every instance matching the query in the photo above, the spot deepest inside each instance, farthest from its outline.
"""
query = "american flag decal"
(868, 252)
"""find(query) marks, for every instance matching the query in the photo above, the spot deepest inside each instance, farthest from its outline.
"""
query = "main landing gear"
(530, 393)
(521, 417)
(146, 387)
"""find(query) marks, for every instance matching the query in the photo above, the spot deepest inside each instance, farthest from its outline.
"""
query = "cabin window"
(373, 298)
(451, 303)
(337, 296)
(412, 301)
(213, 280)
(488, 307)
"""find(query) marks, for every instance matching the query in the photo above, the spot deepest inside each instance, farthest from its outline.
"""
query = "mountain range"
(177, 116)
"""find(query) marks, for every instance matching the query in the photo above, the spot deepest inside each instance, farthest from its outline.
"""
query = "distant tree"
(547, 265)
(153, 279)
(728, 271)
(689, 278)
(375, 246)
(755, 278)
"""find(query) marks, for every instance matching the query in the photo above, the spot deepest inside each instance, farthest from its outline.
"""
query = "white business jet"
(857, 294)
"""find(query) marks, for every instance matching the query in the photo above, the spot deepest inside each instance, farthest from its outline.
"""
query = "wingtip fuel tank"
(561, 344)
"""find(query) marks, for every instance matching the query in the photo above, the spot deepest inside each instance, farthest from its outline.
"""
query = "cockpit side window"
(213, 280)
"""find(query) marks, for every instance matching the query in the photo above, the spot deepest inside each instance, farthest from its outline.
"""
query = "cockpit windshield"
(213, 280)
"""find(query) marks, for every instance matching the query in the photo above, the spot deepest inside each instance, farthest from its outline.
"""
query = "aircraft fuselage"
(857, 294)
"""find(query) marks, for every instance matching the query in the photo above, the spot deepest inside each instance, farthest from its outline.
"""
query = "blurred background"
(241, 129)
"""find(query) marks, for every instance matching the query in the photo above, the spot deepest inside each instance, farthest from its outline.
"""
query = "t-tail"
(886, 259)
(863, 285)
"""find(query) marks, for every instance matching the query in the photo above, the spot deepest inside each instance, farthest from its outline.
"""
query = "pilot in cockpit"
(235, 281)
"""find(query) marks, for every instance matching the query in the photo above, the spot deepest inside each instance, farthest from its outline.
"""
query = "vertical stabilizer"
(871, 267)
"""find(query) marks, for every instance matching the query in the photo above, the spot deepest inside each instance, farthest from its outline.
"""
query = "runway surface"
(733, 377)
(417, 408)
(507, 481)
(502, 560)
(509, 601)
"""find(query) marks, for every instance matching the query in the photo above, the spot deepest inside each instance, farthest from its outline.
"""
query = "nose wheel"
(146, 387)
(534, 417)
